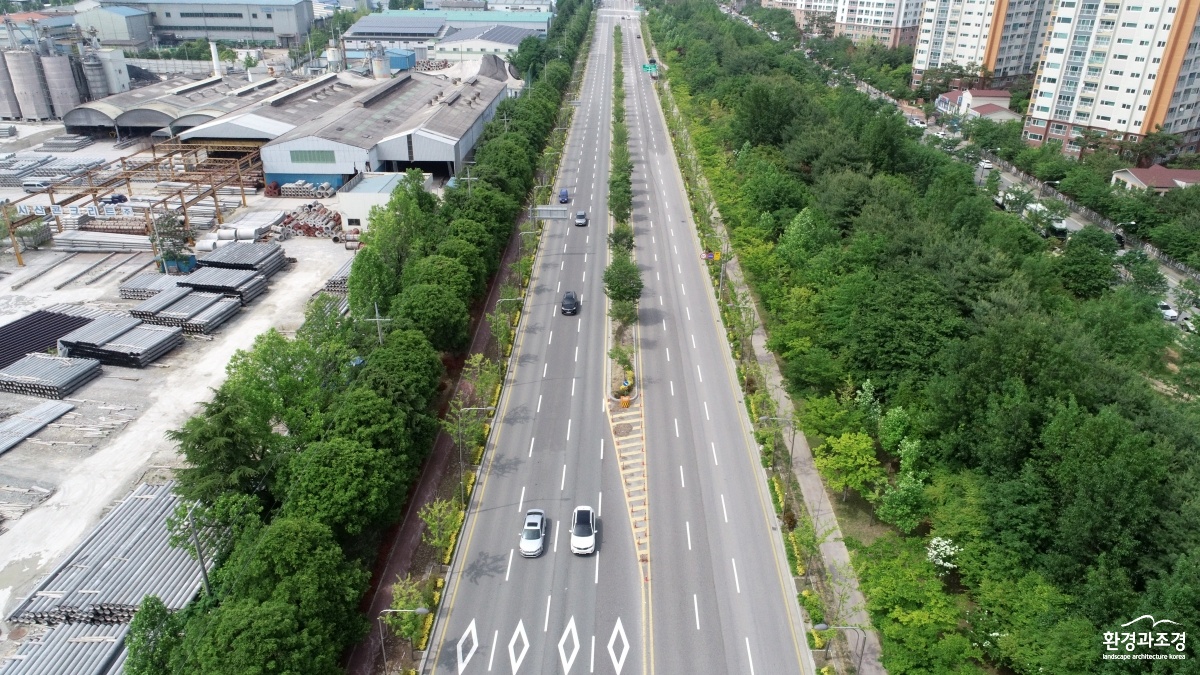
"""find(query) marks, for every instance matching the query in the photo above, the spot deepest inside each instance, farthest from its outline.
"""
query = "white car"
(919, 123)
(985, 164)
(1187, 325)
(583, 530)
(1168, 311)
(533, 535)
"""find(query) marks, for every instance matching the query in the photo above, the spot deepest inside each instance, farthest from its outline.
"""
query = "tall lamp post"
(791, 424)
(462, 488)
(862, 640)
(379, 619)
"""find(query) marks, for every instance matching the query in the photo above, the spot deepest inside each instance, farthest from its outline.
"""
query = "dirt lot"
(115, 436)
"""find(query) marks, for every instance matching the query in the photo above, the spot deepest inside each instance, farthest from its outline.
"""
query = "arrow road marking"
(569, 661)
(470, 633)
(513, 659)
(618, 663)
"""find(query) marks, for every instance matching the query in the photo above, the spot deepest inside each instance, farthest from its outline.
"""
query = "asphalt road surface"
(720, 597)
(559, 613)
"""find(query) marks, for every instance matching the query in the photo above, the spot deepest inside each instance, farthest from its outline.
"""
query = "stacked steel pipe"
(137, 347)
(207, 321)
(146, 286)
(312, 220)
(23, 425)
(94, 334)
(148, 309)
(127, 557)
(48, 376)
(267, 259)
(78, 649)
(336, 285)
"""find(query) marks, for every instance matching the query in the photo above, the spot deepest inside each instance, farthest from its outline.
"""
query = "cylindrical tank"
(64, 95)
(25, 70)
(97, 83)
(10, 107)
(379, 68)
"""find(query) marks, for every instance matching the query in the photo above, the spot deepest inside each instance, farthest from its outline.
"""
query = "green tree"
(437, 313)
(1086, 266)
(439, 270)
(1145, 274)
(623, 279)
(406, 596)
(405, 371)
(621, 238)
(903, 504)
(154, 636)
(442, 520)
(848, 463)
(341, 483)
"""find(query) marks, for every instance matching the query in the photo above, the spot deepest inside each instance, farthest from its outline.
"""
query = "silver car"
(533, 535)
(583, 530)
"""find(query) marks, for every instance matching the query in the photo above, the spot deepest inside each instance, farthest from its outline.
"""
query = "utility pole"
(378, 321)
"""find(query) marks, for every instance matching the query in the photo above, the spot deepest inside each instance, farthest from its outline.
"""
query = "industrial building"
(412, 29)
(276, 22)
(26, 28)
(172, 105)
(470, 43)
(125, 27)
(37, 84)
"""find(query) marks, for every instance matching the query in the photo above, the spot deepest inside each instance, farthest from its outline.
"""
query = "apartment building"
(1120, 68)
(1003, 36)
(805, 10)
(892, 23)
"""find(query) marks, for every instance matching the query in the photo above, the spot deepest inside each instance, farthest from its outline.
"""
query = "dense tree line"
(306, 452)
(1019, 415)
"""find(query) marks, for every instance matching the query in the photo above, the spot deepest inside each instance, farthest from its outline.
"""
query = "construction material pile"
(145, 286)
(216, 314)
(306, 190)
(66, 143)
(95, 334)
(248, 228)
(76, 649)
(35, 332)
(148, 308)
(81, 241)
(23, 425)
(193, 312)
(266, 259)
(337, 284)
(127, 557)
(62, 167)
(312, 220)
(121, 341)
(48, 376)
(244, 285)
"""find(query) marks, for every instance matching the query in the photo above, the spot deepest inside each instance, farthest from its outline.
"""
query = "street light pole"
(382, 640)
(862, 640)
(462, 488)
(791, 424)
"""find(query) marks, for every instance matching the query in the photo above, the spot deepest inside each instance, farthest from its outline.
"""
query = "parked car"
(583, 530)
(563, 196)
(916, 122)
(1168, 311)
(570, 304)
(1187, 325)
(985, 164)
(533, 535)
(581, 218)
(114, 198)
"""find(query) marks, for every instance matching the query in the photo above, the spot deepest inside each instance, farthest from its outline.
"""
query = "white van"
(33, 185)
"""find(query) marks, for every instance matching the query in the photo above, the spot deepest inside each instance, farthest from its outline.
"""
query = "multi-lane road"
(716, 595)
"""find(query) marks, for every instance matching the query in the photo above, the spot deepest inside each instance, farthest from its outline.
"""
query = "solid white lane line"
(546, 625)
(551, 340)
(561, 265)
(676, 427)
(597, 579)
(585, 257)
(544, 367)
(676, 249)
(492, 653)
(652, 240)
(660, 300)
(539, 408)
(672, 387)
(655, 257)
(568, 430)
(735, 576)
(579, 326)
(587, 240)
(706, 412)
(714, 449)
(577, 354)
(564, 248)
(521, 504)
(664, 325)
(678, 268)
(657, 277)
(698, 373)
(682, 288)
(696, 606)
(592, 664)
(600, 504)
(558, 287)
(563, 483)
(681, 483)
(556, 524)
(531, 440)
(689, 312)
(749, 656)
(668, 353)
(572, 386)
(693, 340)
(689, 533)
(602, 449)
(723, 510)
(510, 557)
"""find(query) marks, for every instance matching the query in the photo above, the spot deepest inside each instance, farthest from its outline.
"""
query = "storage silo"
(10, 107)
(60, 81)
(25, 70)
(93, 72)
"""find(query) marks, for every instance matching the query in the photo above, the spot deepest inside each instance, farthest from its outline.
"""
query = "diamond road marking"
(570, 631)
(513, 659)
(470, 632)
(618, 630)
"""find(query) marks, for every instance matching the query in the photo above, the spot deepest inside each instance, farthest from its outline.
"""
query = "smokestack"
(212, 47)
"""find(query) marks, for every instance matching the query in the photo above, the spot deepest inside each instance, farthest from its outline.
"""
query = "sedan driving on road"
(583, 530)
(570, 303)
(533, 535)
(1168, 312)
(985, 164)
(581, 218)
